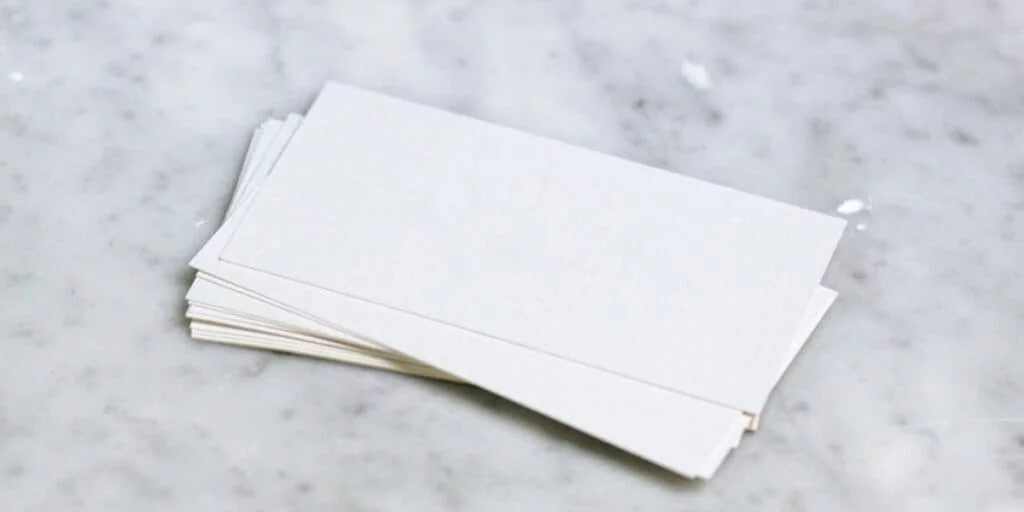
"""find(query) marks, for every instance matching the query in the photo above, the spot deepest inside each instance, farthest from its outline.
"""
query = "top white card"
(679, 283)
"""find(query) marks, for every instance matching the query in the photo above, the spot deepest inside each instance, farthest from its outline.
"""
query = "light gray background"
(122, 125)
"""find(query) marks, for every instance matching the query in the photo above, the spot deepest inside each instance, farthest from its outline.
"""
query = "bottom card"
(684, 434)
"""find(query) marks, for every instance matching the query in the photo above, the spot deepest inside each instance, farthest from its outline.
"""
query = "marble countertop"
(123, 124)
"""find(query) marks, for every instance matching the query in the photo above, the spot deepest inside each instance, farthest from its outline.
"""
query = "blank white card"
(676, 282)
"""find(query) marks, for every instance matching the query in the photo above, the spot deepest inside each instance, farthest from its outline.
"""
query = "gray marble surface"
(123, 123)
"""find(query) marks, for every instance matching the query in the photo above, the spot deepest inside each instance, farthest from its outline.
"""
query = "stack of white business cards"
(645, 308)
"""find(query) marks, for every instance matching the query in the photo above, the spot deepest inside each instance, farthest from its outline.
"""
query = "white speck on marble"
(16, 76)
(852, 206)
(696, 75)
